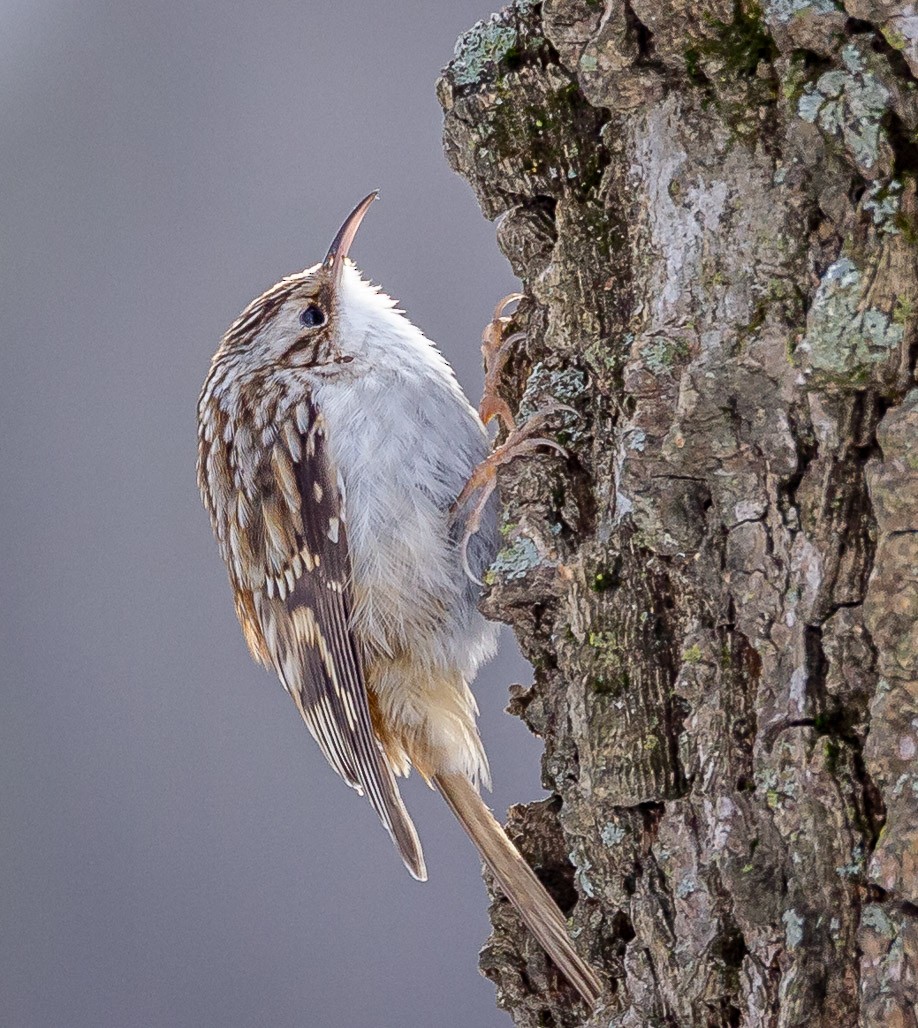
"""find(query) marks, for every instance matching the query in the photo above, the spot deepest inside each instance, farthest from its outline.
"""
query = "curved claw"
(554, 405)
(473, 523)
(511, 340)
(464, 552)
(551, 444)
(536, 423)
(502, 305)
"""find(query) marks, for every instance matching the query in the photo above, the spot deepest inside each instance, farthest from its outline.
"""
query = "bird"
(335, 446)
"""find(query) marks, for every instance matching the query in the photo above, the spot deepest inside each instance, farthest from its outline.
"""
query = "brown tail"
(538, 910)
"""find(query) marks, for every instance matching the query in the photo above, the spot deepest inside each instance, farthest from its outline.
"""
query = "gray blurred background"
(173, 848)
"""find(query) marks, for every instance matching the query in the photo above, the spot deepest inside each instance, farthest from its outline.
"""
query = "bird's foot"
(521, 440)
(483, 480)
(495, 351)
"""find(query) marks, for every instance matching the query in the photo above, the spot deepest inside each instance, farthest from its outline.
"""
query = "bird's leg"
(522, 439)
(495, 350)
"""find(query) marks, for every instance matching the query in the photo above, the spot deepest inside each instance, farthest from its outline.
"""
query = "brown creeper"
(334, 442)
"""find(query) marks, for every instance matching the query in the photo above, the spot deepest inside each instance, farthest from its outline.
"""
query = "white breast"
(404, 440)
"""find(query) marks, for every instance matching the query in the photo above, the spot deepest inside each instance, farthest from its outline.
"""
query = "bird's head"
(323, 321)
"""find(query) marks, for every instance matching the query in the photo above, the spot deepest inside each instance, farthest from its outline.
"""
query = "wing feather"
(305, 609)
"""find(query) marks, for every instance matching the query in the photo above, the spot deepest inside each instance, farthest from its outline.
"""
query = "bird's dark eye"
(312, 316)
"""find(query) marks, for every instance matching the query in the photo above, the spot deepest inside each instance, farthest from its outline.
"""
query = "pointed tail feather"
(538, 910)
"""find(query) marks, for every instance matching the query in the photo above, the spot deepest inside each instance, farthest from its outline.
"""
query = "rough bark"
(712, 207)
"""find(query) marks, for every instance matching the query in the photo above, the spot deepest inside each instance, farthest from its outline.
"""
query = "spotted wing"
(314, 651)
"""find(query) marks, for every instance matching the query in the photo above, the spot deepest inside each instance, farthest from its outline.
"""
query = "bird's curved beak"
(334, 259)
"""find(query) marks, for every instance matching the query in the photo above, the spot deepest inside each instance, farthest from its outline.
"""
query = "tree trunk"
(712, 207)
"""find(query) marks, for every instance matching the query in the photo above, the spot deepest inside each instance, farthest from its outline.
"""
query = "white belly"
(404, 455)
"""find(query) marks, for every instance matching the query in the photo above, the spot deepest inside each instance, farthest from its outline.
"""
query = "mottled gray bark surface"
(713, 209)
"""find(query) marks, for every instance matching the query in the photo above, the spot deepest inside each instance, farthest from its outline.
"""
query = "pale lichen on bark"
(712, 207)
